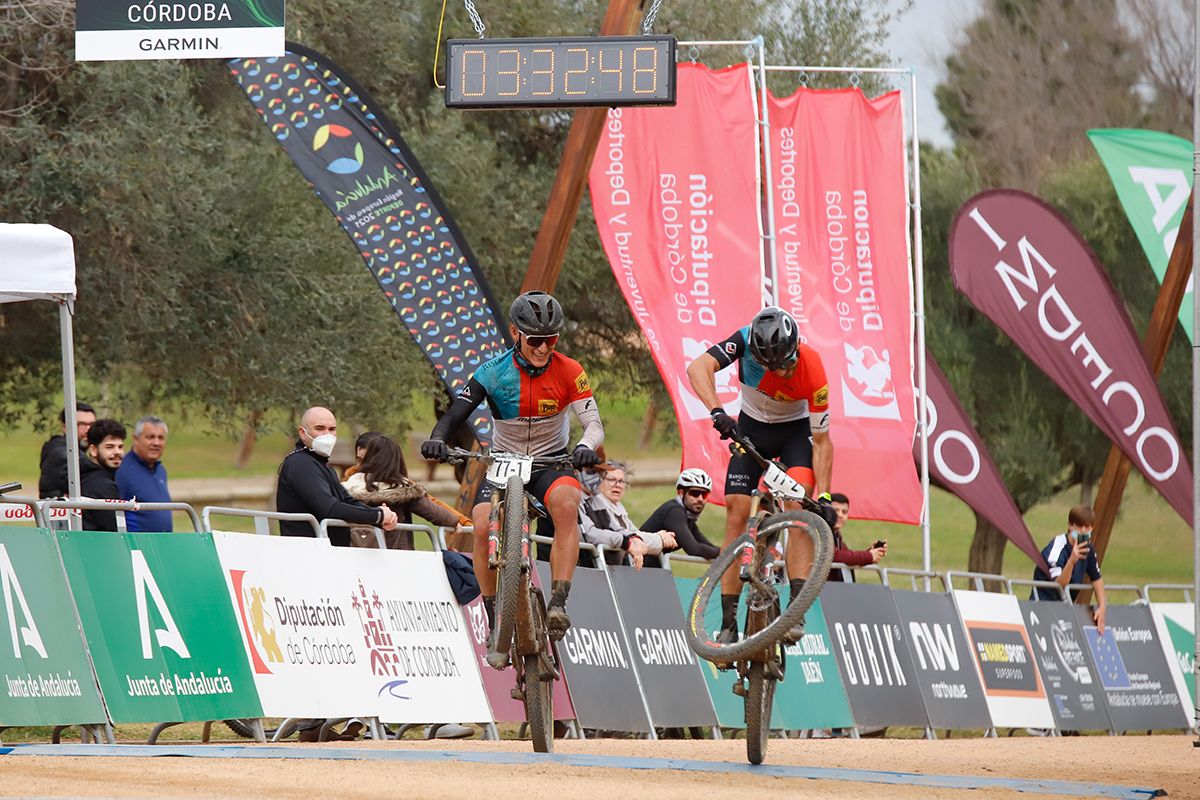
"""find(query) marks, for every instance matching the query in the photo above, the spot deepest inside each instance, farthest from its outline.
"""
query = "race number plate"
(508, 464)
(782, 485)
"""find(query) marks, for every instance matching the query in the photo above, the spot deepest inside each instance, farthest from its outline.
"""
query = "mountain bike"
(759, 656)
(520, 636)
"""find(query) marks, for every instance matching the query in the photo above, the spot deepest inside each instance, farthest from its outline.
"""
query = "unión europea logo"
(344, 165)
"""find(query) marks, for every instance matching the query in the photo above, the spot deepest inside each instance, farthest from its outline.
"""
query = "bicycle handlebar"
(457, 455)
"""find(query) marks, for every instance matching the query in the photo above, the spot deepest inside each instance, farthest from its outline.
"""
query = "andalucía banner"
(1023, 265)
(676, 201)
(842, 256)
(960, 463)
(1152, 173)
(360, 167)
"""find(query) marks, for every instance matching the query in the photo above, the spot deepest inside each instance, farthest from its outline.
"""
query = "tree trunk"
(987, 551)
(1087, 491)
(249, 438)
(649, 423)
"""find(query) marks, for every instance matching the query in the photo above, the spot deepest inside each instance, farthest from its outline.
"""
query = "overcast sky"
(922, 39)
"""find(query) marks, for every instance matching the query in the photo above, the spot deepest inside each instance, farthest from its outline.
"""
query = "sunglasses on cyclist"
(537, 341)
(696, 493)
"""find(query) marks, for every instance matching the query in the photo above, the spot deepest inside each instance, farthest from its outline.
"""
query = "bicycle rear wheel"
(508, 589)
(802, 523)
(539, 705)
(759, 696)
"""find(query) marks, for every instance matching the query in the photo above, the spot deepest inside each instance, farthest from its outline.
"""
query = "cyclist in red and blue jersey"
(785, 414)
(529, 389)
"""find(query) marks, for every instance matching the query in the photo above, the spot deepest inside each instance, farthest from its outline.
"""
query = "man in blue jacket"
(143, 477)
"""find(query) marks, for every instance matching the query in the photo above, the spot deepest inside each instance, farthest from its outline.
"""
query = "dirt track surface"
(1167, 762)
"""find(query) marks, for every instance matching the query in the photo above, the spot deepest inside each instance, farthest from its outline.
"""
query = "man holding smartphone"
(843, 554)
(1071, 557)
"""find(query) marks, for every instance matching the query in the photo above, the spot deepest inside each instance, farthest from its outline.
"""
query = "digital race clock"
(563, 71)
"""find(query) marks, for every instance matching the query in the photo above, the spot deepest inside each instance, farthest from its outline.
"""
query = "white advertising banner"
(1012, 684)
(337, 632)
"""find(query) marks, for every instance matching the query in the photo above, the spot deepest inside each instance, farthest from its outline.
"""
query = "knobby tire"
(539, 709)
(701, 641)
(508, 590)
(759, 696)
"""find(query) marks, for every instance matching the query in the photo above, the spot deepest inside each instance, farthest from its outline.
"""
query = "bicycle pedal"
(739, 689)
(517, 693)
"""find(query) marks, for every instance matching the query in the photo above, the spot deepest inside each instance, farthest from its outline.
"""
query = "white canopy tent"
(37, 262)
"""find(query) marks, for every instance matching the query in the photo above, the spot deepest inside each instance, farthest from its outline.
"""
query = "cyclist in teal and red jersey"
(785, 414)
(529, 389)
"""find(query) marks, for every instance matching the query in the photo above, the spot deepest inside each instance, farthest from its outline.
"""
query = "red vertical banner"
(842, 262)
(676, 200)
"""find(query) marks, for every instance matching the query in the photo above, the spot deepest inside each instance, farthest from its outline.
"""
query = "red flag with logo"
(960, 463)
(1029, 271)
(842, 261)
(676, 201)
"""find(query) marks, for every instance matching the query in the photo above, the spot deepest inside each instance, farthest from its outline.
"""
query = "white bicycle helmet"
(694, 478)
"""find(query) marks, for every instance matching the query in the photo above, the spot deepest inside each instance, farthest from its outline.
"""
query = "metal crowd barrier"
(1053, 585)
(262, 519)
(886, 573)
(87, 504)
(434, 541)
(35, 506)
(1185, 588)
(976, 580)
(1116, 587)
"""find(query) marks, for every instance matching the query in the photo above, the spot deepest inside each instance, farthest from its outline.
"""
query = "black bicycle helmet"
(773, 337)
(536, 314)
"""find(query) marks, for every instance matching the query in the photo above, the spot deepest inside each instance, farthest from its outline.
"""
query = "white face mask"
(323, 445)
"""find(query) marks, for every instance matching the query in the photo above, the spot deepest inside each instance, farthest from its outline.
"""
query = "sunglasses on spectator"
(616, 481)
(537, 341)
(696, 493)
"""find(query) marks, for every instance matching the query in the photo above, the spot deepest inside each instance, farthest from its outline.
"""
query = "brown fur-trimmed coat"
(406, 499)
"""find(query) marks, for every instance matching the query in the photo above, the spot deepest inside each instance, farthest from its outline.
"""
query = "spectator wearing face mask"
(308, 485)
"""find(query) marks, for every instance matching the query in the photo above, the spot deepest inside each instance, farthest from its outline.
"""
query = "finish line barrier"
(160, 643)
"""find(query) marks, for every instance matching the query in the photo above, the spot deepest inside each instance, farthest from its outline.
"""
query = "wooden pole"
(550, 247)
(1154, 345)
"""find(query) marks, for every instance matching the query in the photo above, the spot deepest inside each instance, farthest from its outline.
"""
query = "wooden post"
(1154, 345)
(550, 247)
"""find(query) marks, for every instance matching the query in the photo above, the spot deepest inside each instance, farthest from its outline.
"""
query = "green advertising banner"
(1152, 173)
(160, 626)
(47, 677)
(811, 696)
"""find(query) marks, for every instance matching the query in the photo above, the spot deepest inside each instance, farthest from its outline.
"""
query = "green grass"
(1150, 544)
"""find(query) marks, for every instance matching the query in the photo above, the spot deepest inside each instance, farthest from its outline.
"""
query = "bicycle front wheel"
(508, 590)
(795, 523)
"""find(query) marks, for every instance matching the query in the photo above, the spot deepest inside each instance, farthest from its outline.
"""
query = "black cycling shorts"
(790, 442)
(540, 484)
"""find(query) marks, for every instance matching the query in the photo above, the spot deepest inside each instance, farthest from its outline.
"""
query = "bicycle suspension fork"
(752, 525)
